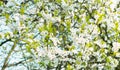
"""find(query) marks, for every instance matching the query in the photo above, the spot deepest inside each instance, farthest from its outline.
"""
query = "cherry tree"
(59, 34)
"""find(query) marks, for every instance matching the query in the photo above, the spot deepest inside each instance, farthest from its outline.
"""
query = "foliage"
(60, 34)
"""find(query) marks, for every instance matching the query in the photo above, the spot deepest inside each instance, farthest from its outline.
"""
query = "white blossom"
(116, 46)
(55, 41)
(51, 56)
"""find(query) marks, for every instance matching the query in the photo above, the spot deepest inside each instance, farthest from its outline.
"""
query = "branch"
(6, 59)
(5, 42)
(90, 13)
(20, 62)
(15, 64)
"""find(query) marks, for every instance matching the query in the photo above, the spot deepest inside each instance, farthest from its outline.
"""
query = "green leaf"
(56, 12)
(84, 64)
(7, 35)
(41, 63)
(7, 16)
(36, 1)
(98, 1)
(80, 54)
(71, 48)
(77, 62)
(28, 48)
(50, 29)
(83, 26)
(108, 60)
(66, 1)
(69, 67)
(0, 36)
(102, 50)
(22, 10)
(68, 22)
(1, 3)
(87, 19)
(58, 1)
(103, 55)
(116, 25)
(89, 44)
(41, 29)
(39, 14)
(101, 16)
(35, 44)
